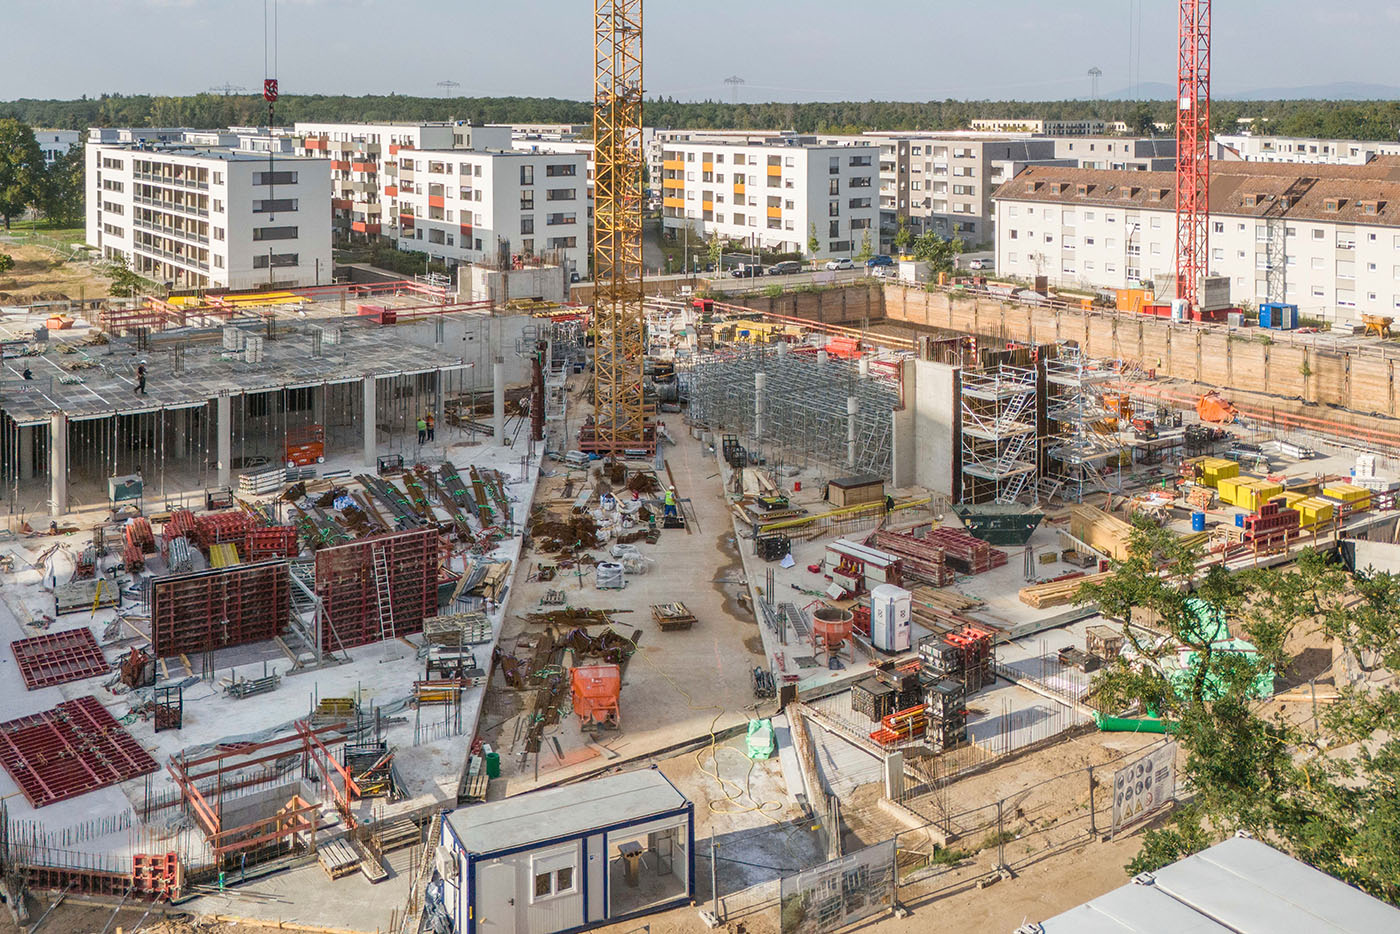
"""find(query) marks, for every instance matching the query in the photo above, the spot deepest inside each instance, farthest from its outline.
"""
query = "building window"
(527, 175)
(561, 194)
(527, 201)
(274, 205)
(274, 233)
(561, 171)
(218, 233)
(277, 260)
(527, 225)
(274, 178)
(833, 187)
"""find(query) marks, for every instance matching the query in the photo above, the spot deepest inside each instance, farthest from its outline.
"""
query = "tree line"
(1370, 120)
(26, 182)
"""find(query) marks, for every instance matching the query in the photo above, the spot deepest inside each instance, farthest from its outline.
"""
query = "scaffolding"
(999, 438)
(795, 407)
(1081, 445)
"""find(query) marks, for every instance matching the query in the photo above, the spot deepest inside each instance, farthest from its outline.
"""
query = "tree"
(21, 169)
(867, 248)
(125, 282)
(1327, 793)
(714, 251)
(904, 236)
(7, 262)
(65, 191)
(936, 251)
(813, 244)
(1141, 122)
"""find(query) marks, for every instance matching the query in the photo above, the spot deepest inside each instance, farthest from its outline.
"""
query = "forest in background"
(1371, 120)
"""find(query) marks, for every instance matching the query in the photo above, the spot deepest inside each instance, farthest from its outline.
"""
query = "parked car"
(746, 271)
(980, 264)
(843, 263)
(785, 268)
(881, 260)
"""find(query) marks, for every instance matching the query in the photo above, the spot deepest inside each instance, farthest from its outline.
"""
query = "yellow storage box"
(1313, 510)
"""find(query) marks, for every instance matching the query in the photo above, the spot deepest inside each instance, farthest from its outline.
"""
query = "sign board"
(837, 894)
(1144, 786)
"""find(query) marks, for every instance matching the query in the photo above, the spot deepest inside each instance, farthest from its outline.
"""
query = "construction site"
(362, 608)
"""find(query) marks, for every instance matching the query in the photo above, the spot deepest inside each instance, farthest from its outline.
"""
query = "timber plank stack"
(1057, 592)
(966, 553)
(1102, 532)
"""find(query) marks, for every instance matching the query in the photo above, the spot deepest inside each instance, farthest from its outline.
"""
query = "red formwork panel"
(345, 582)
(218, 528)
(59, 657)
(214, 609)
(70, 750)
(278, 541)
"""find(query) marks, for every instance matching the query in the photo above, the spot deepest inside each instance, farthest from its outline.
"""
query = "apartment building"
(1298, 149)
(1326, 238)
(943, 183)
(360, 153)
(1140, 154)
(657, 141)
(1042, 127)
(209, 218)
(777, 196)
(468, 206)
(54, 144)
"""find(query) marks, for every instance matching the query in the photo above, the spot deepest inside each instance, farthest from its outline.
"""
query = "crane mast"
(1192, 149)
(619, 422)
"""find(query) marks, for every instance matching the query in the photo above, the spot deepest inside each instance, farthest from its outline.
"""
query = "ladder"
(382, 592)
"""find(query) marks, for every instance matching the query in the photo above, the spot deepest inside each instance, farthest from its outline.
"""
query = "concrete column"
(822, 357)
(318, 404)
(370, 418)
(223, 433)
(26, 452)
(782, 349)
(864, 367)
(760, 385)
(440, 399)
(852, 410)
(894, 776)
(58, 463)
(498, 398)
(176, 433)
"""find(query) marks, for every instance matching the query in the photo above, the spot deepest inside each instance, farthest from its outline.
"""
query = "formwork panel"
(59, 657)
(68, 751)
(219, 608)
(347, 586)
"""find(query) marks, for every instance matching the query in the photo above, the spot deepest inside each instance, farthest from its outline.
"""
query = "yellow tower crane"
(619, 422)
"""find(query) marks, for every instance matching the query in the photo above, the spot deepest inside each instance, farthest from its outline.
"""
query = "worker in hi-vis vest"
(670, 501)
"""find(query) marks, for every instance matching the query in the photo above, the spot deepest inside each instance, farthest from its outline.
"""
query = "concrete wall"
(1362, 379)
(469, 337)
(547, 283)
(853, 305)
(935, 411)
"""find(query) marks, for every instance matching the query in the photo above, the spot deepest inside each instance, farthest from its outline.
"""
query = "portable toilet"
(890, 610)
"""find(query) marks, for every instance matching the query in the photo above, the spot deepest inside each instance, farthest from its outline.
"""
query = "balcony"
(675, 165)
(738, 189)
(391, 191)
(407, 220)
(775, 170)
(775, 213)
(466, 230)
(341, 204)
(339, 165)
(313, 143)
(370, 167)
(365, 227)
(673, 202)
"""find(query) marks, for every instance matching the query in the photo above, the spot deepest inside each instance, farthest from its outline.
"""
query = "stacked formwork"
(377, 588)
(1080, 444)
(790, 405)
(999, 437)
(214, 609)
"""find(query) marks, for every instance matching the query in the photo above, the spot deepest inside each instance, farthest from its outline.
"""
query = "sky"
(786, 50)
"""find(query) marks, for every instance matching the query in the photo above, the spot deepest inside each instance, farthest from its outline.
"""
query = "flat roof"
(186, 374)
(566, 811)
(1240, 886)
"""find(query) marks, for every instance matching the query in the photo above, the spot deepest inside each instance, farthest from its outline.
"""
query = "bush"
(7, 262)
(772, 291)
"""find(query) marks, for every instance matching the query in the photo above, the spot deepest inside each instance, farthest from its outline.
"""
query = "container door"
(495, 898)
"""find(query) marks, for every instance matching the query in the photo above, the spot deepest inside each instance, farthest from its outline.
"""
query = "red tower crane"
(1192, 148)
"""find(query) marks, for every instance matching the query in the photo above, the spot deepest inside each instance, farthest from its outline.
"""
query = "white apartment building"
(360, 153)
(54, 144)
(466, 206)
(1299, 149)
(210, 218)
(1326, 238)
(1042, 127)
(777, 196)
(1137, 154)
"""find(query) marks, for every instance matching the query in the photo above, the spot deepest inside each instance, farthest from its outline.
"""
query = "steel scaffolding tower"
(791, 408)
(999, 437)
(619, 421)
(1078, 443)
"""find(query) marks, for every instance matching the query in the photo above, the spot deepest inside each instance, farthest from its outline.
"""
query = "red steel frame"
(297, 817)
(214, 609)
(345, 583)
(59, 657)
(70, 750)
(1192, 149)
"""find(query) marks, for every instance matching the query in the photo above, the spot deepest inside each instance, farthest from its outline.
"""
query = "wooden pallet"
(338, 858)
(397, 835)
(672, 616)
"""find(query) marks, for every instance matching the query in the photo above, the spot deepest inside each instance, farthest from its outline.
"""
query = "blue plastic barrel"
(1239, 519)
(1198, 522)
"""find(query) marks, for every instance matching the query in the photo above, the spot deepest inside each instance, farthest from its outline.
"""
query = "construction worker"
(141, 378)
(28, 373)
(670, 501)
(889, 503)
(422, 430)
(432, 423)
